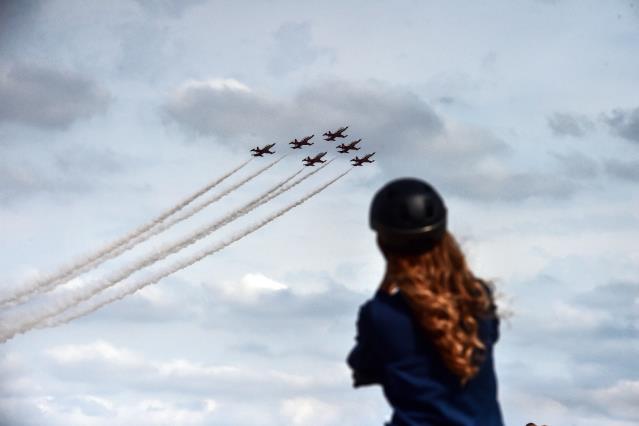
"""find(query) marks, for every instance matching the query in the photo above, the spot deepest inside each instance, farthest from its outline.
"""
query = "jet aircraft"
(298, 144)
(345, 148)
(308, 161)
(339, 133)
(261, 151)
(365, 159)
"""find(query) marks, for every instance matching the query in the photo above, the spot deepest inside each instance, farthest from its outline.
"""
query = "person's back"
(427, 336)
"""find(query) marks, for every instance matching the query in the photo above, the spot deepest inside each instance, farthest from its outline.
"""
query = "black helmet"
(408, 215)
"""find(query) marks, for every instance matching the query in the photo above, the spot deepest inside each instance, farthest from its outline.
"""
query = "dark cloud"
(611, 297)
(563, 124)
(409, 138)
(171, 8)
(22, 179)
(577, 165)
(16, 17)
(226, 108)
(624, 123)
(48, 98)
(510, 187)
(625, 170)
(447, 100)
(69, 170)
(294, 48)
(282, 305)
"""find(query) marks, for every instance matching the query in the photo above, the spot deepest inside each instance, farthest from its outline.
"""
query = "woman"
(427, 335)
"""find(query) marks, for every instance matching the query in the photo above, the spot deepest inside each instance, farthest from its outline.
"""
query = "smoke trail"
(135, 286)
(189, 213)
(90, 290)
(130, 240)
(161, 226)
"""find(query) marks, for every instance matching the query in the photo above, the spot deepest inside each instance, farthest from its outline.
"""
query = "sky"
(524, 115)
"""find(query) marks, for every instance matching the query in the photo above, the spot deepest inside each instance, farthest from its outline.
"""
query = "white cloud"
(217, 84)
(305, 411)
(567, 317)
(99, 351)
(620, 399)
(251, 287)
(109, 362)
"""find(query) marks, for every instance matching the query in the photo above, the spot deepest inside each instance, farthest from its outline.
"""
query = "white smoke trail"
(88, 291)
(134, 286)
(161, 226)
(134, 238)
(189, 213)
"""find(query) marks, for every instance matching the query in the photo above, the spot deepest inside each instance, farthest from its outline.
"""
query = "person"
(428, 333)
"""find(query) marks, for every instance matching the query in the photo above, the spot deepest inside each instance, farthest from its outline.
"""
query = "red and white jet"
(351, 146)
(308, 161)
(261, 151)
(339, 133)
(365, 159)
(298, 144)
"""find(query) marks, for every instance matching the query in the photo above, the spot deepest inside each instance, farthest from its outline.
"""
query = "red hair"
(446, 299)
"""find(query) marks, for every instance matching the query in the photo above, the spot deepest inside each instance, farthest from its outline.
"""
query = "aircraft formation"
(117, 282)
(329, 136)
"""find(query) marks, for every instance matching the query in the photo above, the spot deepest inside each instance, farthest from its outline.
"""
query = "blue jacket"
(393, 351)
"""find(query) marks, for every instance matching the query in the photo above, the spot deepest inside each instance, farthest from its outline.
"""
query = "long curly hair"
(446, 299)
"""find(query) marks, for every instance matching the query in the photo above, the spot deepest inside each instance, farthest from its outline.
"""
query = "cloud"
(109, 365)
(624, 170)
(392, 121)
(22, 178)
(593, 332)
(251, 287)
(254, 302)
(565, 124)
(99, 351)
(624, 123)
(224, 108)
(228, 108)
(577, 165)
(16, 17)
(620, 399)
(90, 410)
(585, 345)
(101, 383)
(294, 49)
(48, 98)
(171, 8)
(496, 185)
(308, 411)
(26, 171)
